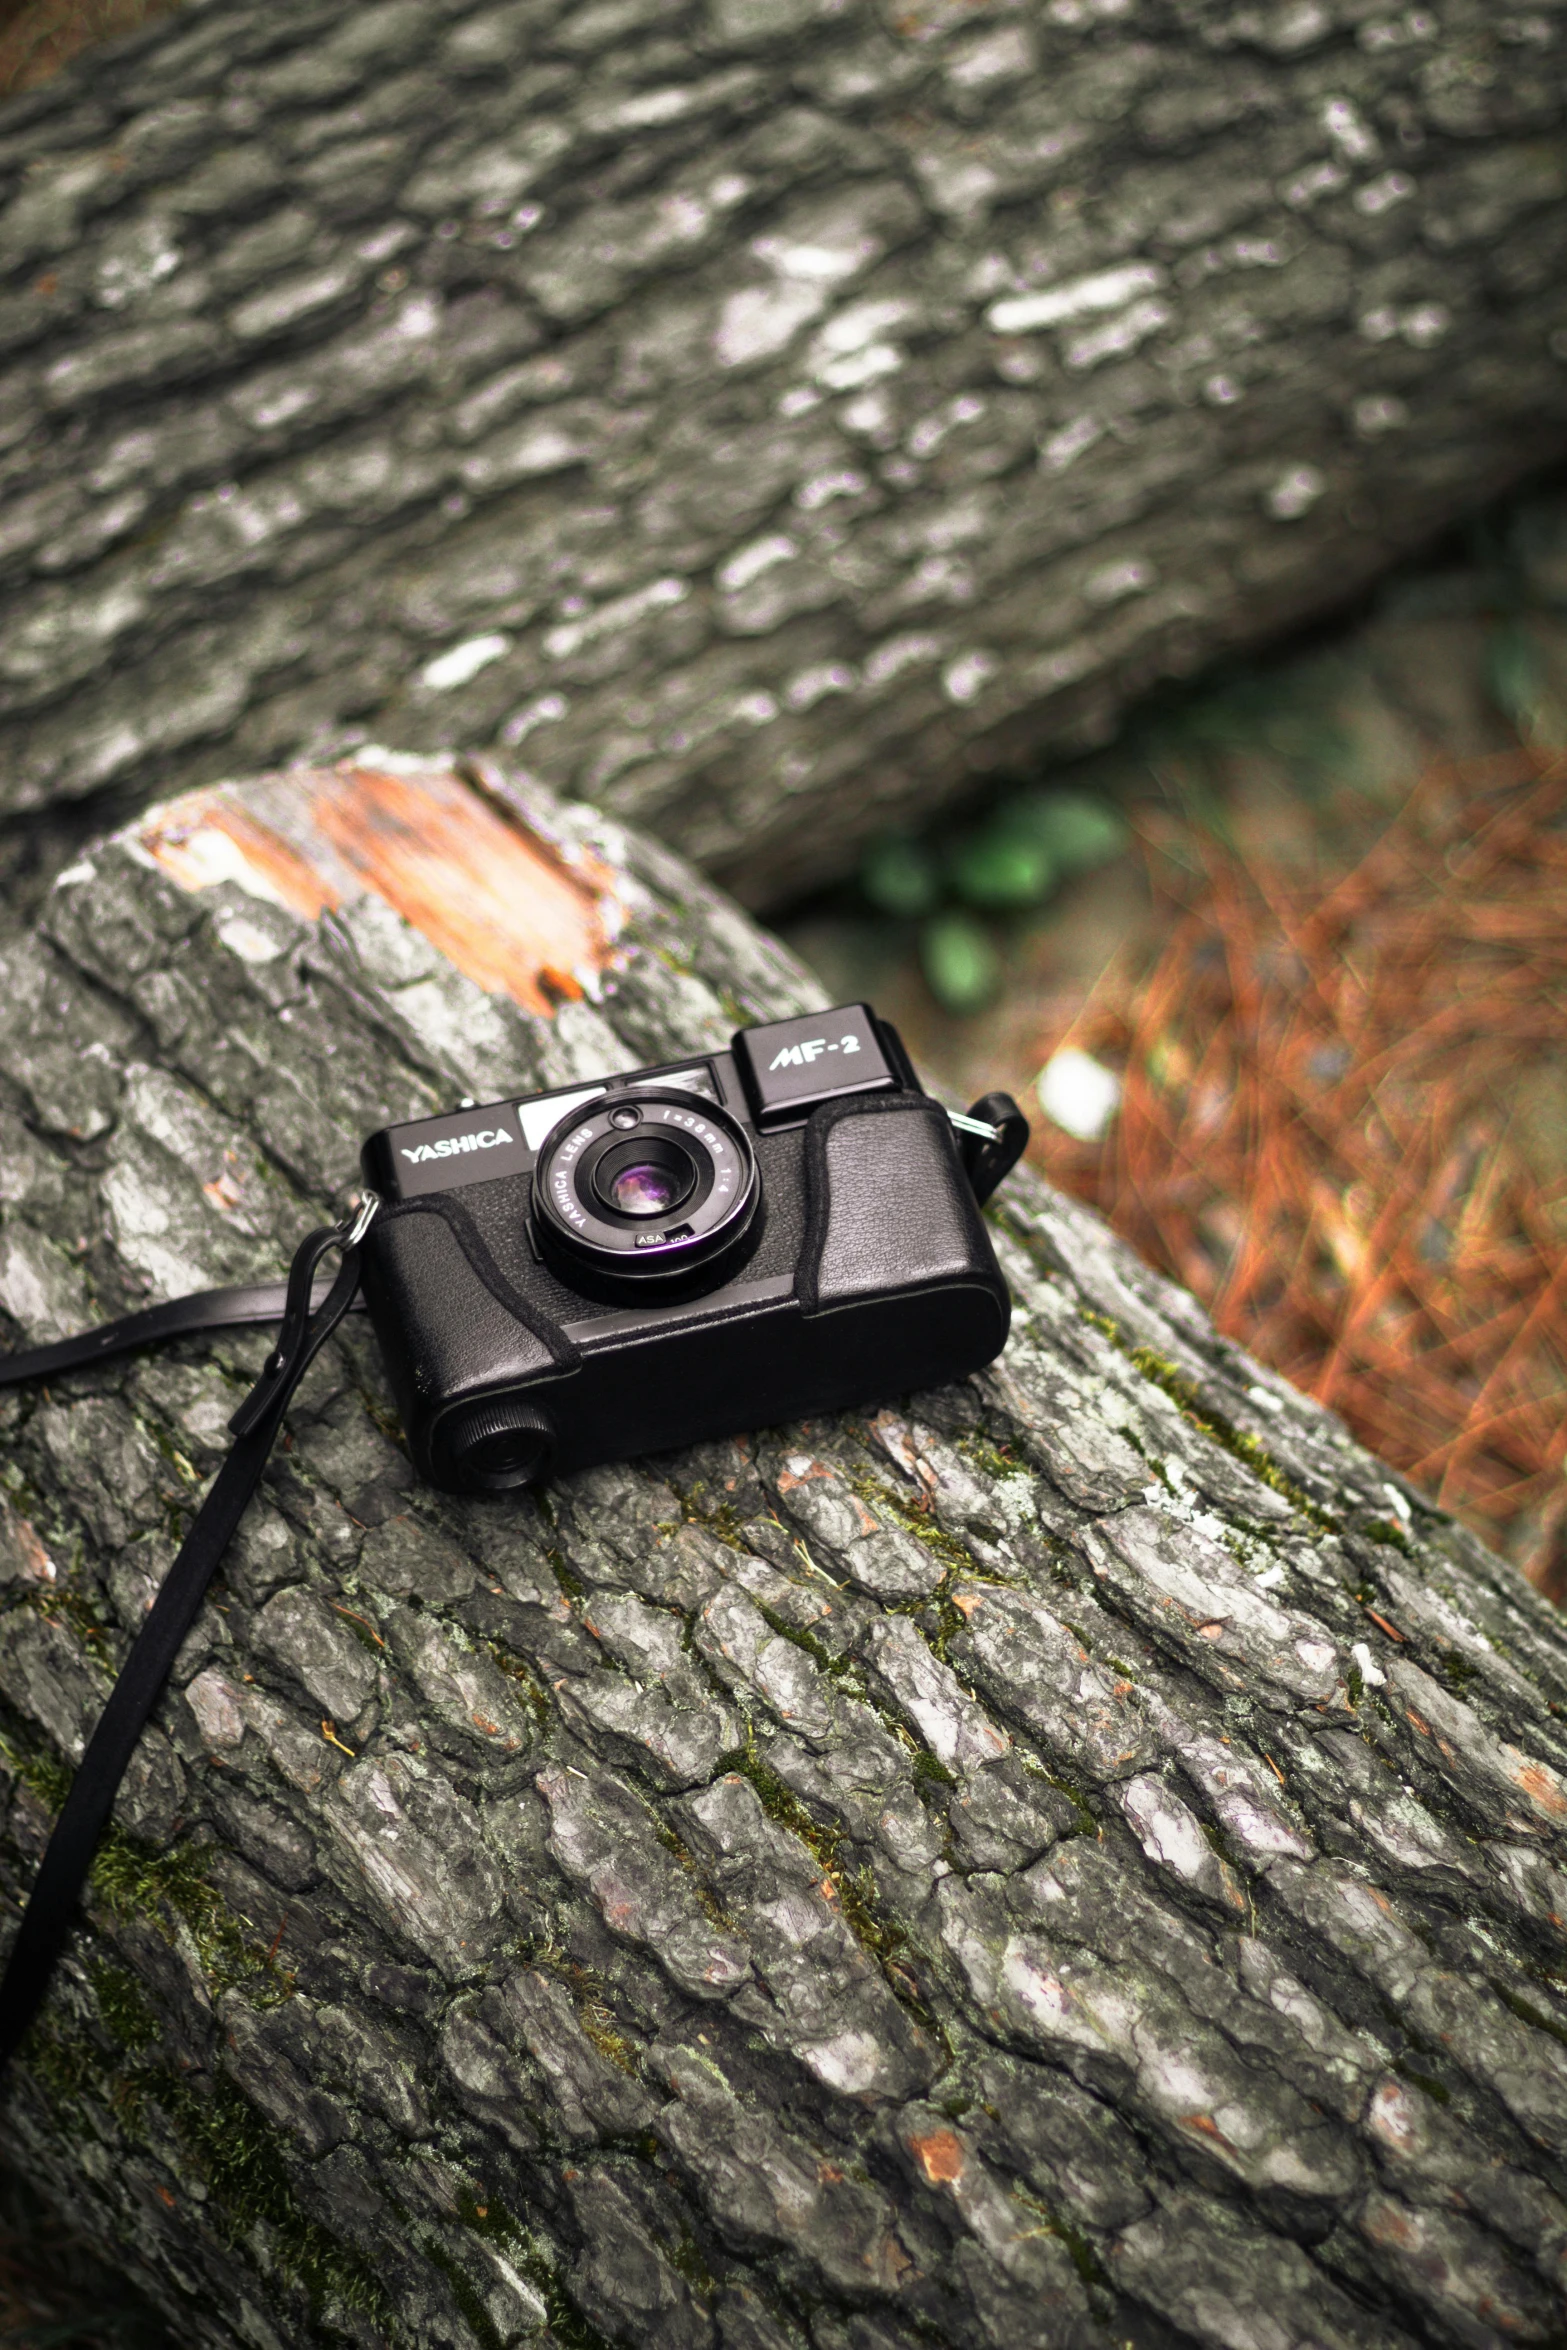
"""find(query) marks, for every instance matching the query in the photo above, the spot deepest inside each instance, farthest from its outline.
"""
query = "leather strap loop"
(987, 1159)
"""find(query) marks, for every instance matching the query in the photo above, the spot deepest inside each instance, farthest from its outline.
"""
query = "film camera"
(682, 1252)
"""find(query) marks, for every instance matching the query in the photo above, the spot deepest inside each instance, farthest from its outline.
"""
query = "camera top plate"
(774, 1077)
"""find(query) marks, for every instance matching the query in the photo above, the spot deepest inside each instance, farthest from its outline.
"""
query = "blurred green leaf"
(899, 876)
(962, 968)
(1000, 868)
(1516, 678)
(1074, 831)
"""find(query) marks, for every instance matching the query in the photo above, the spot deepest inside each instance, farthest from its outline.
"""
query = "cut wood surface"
(1075, 1859)
(767, 417)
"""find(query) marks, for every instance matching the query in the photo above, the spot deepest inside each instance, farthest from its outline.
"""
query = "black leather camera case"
(869, 1271)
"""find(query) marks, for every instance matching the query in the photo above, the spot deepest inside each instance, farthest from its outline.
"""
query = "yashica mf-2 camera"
(682, 1252)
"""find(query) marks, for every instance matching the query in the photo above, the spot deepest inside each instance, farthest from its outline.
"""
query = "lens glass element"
(645, 1190)
(640, 1178)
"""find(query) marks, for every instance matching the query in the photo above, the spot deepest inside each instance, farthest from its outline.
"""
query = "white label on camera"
(488, 1138)
(539, 1119)
(797, 1056)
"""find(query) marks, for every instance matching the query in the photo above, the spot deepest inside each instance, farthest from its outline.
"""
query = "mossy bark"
(772, 416)
(1075, 1859)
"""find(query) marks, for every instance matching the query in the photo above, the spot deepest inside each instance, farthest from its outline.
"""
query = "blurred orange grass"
(1319, 1132)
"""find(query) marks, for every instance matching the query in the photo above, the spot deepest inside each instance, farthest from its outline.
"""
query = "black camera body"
(721, 1243)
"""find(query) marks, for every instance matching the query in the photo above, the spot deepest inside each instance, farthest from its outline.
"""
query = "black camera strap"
(308, 1319)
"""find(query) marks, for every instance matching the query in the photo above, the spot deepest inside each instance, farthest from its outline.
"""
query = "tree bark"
(1074, 1859)
(769, 419)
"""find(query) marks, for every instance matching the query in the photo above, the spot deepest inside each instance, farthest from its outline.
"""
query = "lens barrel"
(654, 1192)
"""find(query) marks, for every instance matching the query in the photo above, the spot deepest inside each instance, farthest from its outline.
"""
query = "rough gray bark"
(1075, 1859)
(768, 415)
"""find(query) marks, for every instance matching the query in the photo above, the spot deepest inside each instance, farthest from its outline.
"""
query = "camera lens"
(669, 1208)
(644, 1191)
(650, 1177)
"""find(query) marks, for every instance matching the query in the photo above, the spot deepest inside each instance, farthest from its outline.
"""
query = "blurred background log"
(39, 37)
(768, 420)
(1077, 1858)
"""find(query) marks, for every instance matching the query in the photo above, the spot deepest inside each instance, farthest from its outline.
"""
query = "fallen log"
(1077, 1858)
(766, 419)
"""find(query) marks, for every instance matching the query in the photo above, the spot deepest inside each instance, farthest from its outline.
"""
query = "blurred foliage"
(999, 870)
(900, 877)
(961, 962)
(961, 885)
(1517, 678)
(1286, 714)
(960, 894)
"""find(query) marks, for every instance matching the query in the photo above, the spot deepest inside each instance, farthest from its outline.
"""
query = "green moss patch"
(880, 1936)
(491, 2220)
(1238, 1442)
(235, 2152)
(133, 1879)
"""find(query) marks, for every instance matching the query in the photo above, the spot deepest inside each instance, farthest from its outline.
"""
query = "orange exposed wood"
(465, 871)
(211, 837)
(940, 2156)
(496, 902)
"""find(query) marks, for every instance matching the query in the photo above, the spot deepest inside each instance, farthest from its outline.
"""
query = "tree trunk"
(768, 416)
(1073, 1859)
